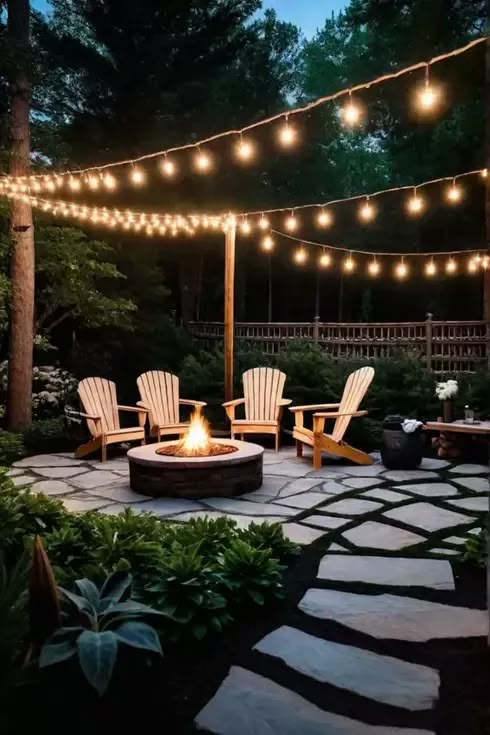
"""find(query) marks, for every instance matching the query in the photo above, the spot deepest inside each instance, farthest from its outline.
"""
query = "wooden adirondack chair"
(262, 390)
(355, 388)
(99, 400)
(159, 393)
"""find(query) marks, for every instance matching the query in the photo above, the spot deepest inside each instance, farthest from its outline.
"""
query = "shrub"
(210, 535)
(252, 574)
(11, 447)
(476, 548)
(47, 435)
(99, 620)
(13, 620)
(269, 536)
(52, 388)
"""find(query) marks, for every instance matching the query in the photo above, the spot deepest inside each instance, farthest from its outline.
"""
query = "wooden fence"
(446, 347)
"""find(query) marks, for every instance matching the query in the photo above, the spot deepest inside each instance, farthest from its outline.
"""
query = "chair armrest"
(315, 407)
(336, 414)
(143, 405)
(90, 416)
(134, 409)
(284, 401)
(189, 402)
(236, 402)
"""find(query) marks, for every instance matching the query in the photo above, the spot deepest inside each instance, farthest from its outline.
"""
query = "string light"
(349, 264)
(451, 266)
(138, 176)
(325, 259)
(415, 204)
(401, 270)
(428, 95)
(93, 182)
(245, 149)
(374, 267)
(291, 222)
(287, 134)
(324, 218)
(74, 184)
(245, 227)
(351, 112)
(472, 265)
(367, 212)
(264, 223)
(202, 161)
(454, 193)
(268, 243)
(301, 255)
(168, 167)
(430, 268)
(110, 181)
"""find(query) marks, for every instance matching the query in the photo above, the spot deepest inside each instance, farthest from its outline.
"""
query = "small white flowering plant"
(447, 390)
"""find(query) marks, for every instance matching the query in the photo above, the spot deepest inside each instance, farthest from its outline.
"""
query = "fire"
(197, 440)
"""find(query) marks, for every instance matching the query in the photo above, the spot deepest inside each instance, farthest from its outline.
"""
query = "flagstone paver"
(334, 488)
(353, 506)
(476, 484)
(249, 704)
(323, 521)
(431, 489)
(407, 475)
(394, 616)
(53, 487)
(372, 534)
(427, 516)
(77, 503)
(444, 552)
(361, 482)
(470, 469)
(305, 500)
(91, 480)
(479, 503)
(21, 480)
(56, 473)
(48, 460)
(300, 486)
(234, 505)
(302, 535)
(15, 471)
(386, 570)
(389, 496)
(382, 678)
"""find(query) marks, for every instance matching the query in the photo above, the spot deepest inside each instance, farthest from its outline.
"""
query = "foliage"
(11, 447)
(209, 535)
(13, 619)
(47, 435)
(98, 620)
(253, 574)
(44, 607)
(52, 388)
(476, 548)
(269, 536)
(190, 592)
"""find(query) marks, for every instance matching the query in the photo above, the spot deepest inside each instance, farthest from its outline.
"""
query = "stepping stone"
(444, 552)
(389, 496)
(249, 704)
(407, 475)
(300, 486)
(457, 540)
(268, 491)
(326, 473)
(54, 473)
(394, 617)
(21, 480)
(385, 570)
(304, 500)
(334, 488)
(352, 506)
(431, 463)
(247, 507)
(427, 516)
(80, 502)
(48, 460)
(470, 469)
(325, 521)
(476, 484)
(121, 493)
(299, 534)
(14, 472)
(288, 469)
(369, 470)
(382, 678)
(360, 482)
(92, 480)
(475, 531)
(53, 487)
(166, 506)
(381, 536)
(432, 489)
(479, 504)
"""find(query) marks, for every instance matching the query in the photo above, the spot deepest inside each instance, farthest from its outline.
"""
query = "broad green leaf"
(130, 607)
(199, 631)
(256, 596)
(55, 653)
(81, 603)
(88, 590)
(97, 654)
(116, 585)
(139, 635)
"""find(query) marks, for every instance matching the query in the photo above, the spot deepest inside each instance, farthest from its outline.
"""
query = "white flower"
(446, 390)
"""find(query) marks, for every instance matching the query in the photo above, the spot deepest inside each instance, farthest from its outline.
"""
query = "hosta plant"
(252, 574)
(269, 536)
(98, 621)
(189, 593)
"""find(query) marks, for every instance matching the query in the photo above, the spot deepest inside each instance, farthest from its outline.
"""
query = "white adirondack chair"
(263, 401)
(355, 389)
(99, 400)
(159, 393)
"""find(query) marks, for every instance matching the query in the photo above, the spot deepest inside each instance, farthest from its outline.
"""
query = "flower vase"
(447, 408)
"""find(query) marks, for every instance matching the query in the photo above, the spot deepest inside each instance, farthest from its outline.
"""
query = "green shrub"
(269, 536)
(98, 621)
(252, 574)
(210, 535)
(14, 620)
(11, 447)
(47, 435)
(476, 548)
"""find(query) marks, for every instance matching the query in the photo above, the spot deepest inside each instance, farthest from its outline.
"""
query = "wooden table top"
(483, 427)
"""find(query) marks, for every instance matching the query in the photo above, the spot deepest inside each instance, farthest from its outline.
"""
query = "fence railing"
(446, 347)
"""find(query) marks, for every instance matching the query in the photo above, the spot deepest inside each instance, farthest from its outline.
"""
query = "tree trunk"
(19, 391)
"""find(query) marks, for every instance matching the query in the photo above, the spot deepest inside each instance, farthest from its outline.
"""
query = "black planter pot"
(400, 451)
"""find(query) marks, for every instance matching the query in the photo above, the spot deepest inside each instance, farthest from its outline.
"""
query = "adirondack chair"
(355, 388)
(99, 400)
(159, 393)
(263, 401)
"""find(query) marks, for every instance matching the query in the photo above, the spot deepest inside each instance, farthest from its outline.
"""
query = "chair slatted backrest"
(262, 389)
(98, 398)
(355, 389)
(159, 391)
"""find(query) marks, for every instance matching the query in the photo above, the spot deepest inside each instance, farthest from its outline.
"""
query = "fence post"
(428, 341)
(316, 330)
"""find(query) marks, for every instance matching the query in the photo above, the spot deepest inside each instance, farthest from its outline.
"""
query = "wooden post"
(428, 341)
(486, 273)
(229, 320)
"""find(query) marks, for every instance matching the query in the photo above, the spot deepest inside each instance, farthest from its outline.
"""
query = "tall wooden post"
(486, 273)
(229, 317)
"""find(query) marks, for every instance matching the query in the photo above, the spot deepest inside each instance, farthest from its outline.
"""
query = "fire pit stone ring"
(219, 475)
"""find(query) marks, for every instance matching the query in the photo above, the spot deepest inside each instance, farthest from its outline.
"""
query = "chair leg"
(104, 450)
(242, 437)
(277, 441)
(299, 448)
(317, 458)
(143, 441)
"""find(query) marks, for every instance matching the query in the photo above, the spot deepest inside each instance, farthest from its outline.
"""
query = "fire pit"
(197, 466)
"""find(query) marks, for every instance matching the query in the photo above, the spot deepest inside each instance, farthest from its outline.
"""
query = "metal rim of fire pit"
(222, 475)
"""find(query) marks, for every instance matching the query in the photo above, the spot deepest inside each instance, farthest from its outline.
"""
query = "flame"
(197, 440)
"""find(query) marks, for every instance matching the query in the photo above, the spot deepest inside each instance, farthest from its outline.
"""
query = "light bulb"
(367, 212)
(428, 97)
(351, 113)
(484, 173)
(324, 260)
(324, 218)
(301, 256)
(162, 230)
(138, 176)
(110, 181)
(202, 162)
(75, 184)
(267, 243)
(36, 186)
(374, 268)
(401, 270)
(246, 227)
(349, 264)
(149, 230)
(454, 194)
(168, 167)
(430, 268)
(93, 182)
(287, 135)
(50, 185)
(485, 263)
(245, 150)
(472, 265)
(264, 223)
(451, 266)
(415, 204)
(291, 223)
